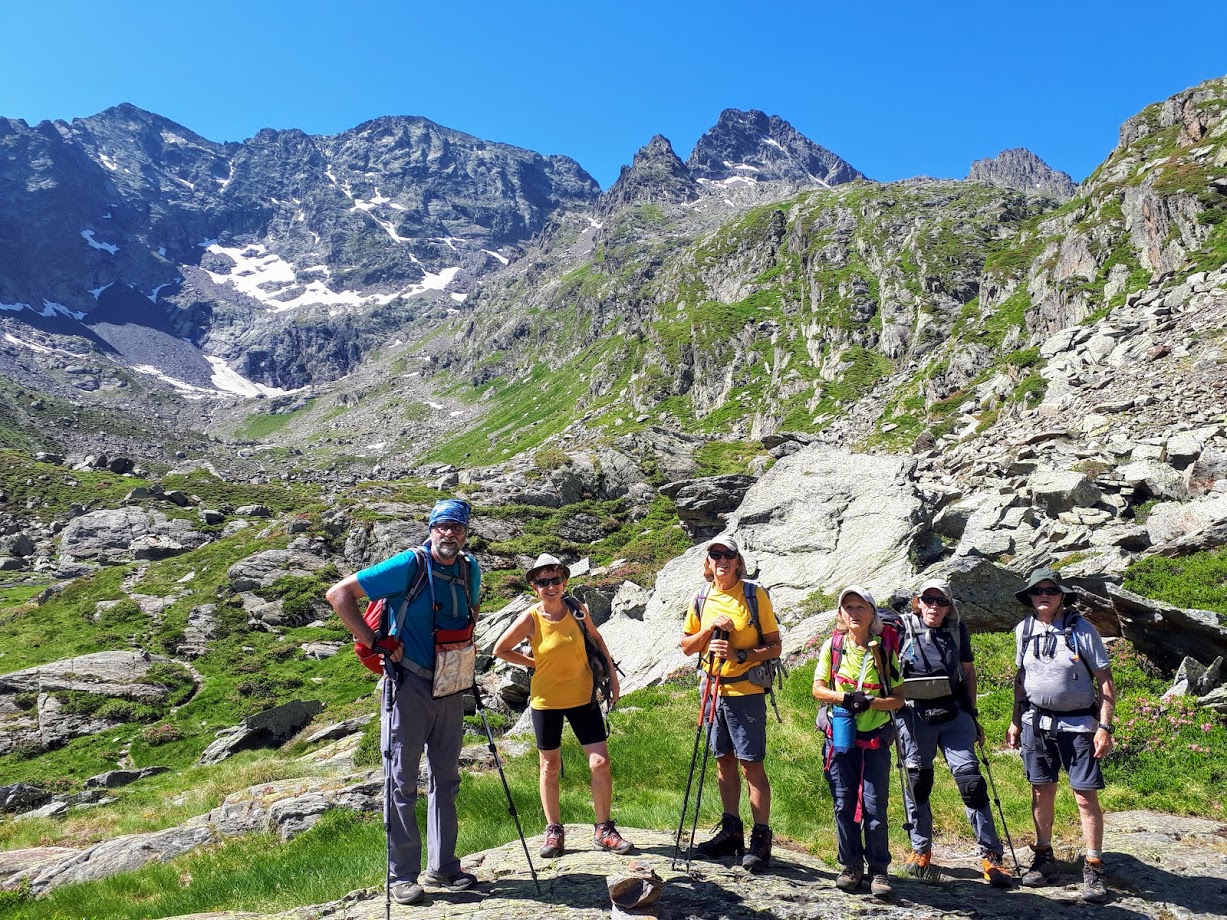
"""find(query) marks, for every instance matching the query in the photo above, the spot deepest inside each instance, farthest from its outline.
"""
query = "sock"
(1095, 855)
(1042, 845)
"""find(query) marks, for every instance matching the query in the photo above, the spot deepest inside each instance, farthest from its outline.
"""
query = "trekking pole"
(690, 775)
(1001, 814)
(713, 677)
(906, 789)
(389, 696)
(694, 759)
(511, 805)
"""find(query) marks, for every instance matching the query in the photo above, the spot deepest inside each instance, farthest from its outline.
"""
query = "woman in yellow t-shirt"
(562, 688)
(739, 735)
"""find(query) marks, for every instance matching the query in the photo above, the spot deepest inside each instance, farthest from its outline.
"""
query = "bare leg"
(602, 782)
(728, 780)
(1092, 818)
(551, 763)
(760, 790)
(1043, 798)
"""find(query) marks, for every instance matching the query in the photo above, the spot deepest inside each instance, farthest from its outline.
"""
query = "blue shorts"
(741, 727)
(1045, 755)
(586, 721)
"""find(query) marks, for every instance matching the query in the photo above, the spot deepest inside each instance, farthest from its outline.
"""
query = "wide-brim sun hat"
(546, 561)
(1044, 573)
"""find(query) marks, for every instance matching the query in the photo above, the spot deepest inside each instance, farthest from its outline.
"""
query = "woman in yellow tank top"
(562, 689)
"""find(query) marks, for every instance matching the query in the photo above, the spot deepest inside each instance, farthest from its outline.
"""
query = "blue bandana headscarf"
(450, 509)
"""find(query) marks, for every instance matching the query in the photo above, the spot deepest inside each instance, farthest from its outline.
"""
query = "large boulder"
(263, 569)
(122, 854)
(1170, 521)
(1167, 634)
(118, 535)
(1154, 479)
(22, 797)
(105, 536)
(1062, 490)
(270, 728)
(821, 518)
(703, 505)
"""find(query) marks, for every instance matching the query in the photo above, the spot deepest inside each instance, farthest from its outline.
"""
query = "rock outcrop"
(1019, 168)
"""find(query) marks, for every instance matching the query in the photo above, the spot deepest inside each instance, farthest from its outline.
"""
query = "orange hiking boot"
(994, 871)
(917, 864)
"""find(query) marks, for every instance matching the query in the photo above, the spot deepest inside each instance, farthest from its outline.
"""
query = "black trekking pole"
(511, 805)
(988, 770)
(713, 678)
(389, 695)
(906, 790)
(694, 759)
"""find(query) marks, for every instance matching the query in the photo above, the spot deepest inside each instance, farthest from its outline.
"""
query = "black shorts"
(586, 721)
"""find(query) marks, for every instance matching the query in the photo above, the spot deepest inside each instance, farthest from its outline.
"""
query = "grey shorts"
(741, 727)
(1046, 754)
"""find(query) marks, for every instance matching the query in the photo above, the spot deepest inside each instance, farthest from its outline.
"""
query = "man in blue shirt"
(446, 600)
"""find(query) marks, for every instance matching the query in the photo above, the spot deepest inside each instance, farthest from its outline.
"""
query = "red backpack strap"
(837, 651)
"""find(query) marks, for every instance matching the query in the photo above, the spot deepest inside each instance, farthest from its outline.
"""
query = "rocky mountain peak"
(1023, 171)
(754, 147)
(656, 174)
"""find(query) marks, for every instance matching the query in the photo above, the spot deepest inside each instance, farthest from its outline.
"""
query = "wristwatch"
(1107, 728)
(741, 656)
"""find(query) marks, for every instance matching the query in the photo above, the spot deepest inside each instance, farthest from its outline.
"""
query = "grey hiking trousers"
(956, 740)
(420, 724)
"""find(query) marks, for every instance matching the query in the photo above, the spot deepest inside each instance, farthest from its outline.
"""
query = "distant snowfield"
(189, 390)
(230, 381)
(35, 346)
(88, 236)
(255, 267)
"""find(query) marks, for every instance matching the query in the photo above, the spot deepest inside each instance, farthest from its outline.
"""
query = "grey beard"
(446, 554)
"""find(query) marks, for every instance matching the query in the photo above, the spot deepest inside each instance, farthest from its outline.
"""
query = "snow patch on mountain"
(225, 378)
(88, 236)
(268, 278)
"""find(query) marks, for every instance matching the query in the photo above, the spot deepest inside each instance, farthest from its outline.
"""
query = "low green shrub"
(1198, 581)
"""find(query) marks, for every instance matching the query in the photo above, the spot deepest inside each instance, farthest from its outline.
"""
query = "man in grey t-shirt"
(1064, 699)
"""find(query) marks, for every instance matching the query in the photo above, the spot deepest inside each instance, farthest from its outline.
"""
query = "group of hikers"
(906, 682)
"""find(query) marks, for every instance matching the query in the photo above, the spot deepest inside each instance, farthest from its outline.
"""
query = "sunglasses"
(716, 554)
(548, 582)
(1045, 592)
(935, 600)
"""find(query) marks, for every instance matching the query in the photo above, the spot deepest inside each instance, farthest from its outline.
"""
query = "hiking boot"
(555, 841)
(408, 893)
(1093, 888)
(457, 881)
(917, 864)
(1043, 868)
(607, 837)
(849, 879)
(729, 839)
(879, 884)
(759, 855)
(994, 871)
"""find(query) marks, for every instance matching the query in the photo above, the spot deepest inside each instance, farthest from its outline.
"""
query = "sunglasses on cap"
(548, 582)
(717, 554)
(1045, 592)
(935, 600)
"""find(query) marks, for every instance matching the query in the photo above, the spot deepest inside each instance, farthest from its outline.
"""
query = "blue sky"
(897, 89)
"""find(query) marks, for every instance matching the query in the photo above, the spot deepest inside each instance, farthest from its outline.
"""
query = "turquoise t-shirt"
(392, 577)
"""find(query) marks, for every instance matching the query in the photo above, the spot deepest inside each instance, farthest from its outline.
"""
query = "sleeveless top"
(561, 676)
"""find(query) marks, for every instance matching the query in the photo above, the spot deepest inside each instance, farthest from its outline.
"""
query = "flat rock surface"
(1159, 867)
